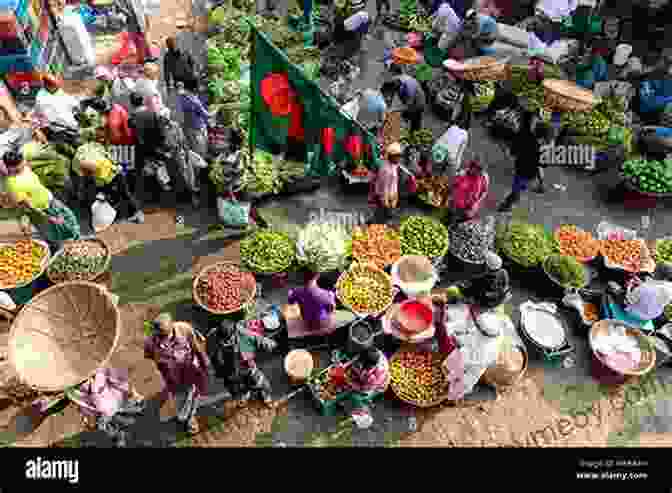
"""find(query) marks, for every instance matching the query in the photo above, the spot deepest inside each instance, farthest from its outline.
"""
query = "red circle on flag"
(277, 94)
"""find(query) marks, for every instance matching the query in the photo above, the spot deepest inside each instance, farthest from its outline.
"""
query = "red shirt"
(468, 190)
(117, 126)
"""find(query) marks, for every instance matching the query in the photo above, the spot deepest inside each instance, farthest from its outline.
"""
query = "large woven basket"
(349, 272)
(43, 265)
(64, 335)
(563, 95)
(199, 288)
(648, 361)
(485, 68)
(92, 277)
(442, 398)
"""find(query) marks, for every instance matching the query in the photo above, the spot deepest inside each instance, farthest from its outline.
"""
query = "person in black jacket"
(526, 148)
(178, 65)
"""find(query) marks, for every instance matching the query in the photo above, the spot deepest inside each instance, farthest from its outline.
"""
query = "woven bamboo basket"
(43, 265)
(563, 95)
(200, 284)
(485, 68)
(351, 272)
(400, 394)
(64, 335)
(405, 56)
(92, 277)
(648, 360)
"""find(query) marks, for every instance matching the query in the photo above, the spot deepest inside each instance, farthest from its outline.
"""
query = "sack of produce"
(102, 214)
(422, 235)
(470, 240)
(233, 213)
(322, 247)
(268, 252)
(527, 245)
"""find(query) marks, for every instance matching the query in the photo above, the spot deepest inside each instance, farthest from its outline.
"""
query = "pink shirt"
(105, 393)
(387, 181)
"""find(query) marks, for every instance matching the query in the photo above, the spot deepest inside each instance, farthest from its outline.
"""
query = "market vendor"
(411, 94)
(24, 191)
(109, 403)
(385, 187)
(99, 173)
(368, 377)
(469, 191)
(490, 289)
(183, 363)
(317, 305)
(54, 107)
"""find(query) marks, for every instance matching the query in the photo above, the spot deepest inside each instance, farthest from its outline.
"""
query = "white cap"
(493, 261)
(622, 54)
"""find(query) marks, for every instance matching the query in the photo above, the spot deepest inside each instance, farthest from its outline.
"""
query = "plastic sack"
(102, 214)
(233, 213)
(649, 300)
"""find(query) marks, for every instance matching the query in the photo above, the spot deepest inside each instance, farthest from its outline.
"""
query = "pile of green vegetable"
(526, 244)
(649, 176)
(484, 94)
(265, 173)
(51, 167)
(419, 138)
(322, 247)
(663, 251)
(422, 235)
(268, 252)
(224, 60)
(567, 271)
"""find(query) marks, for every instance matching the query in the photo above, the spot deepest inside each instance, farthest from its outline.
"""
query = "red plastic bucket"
(415, 317)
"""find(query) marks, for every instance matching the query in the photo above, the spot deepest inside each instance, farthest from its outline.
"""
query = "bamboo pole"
(253, 90)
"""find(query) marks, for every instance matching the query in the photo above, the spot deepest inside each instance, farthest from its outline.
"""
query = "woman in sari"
(183, 364)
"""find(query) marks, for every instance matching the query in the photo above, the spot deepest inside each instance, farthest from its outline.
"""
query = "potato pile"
(418, 377)
(376, 244)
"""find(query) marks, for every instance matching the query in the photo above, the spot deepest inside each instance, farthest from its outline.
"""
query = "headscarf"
(493, 261)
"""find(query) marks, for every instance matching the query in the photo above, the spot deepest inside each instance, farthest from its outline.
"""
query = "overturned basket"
(563, 95)
(648, 350)
(71, 245)
(485, 68)
(247, 293)
(64, 335)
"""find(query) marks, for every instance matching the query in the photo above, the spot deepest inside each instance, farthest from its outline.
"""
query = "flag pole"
(253, 89)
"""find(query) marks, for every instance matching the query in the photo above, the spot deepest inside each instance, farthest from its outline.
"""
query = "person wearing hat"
(490, 289)
(386, 182)
(24, 192)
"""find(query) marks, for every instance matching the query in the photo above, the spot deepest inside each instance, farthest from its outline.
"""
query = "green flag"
(288, 107)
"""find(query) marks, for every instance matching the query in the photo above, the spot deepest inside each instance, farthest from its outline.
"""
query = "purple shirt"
(316, 304)
(195, 114)
(410, 93)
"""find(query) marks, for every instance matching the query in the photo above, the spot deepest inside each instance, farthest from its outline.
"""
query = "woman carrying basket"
(183, 364)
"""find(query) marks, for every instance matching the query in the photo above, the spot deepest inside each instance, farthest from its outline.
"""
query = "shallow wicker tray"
(651, 267)
(485, 68)
(45, 264)
(435, 402)
(361, 314)
(92, 277)
(583, 260)
(648, 361)
(564, 95)
(220, 267)
(63, 335)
